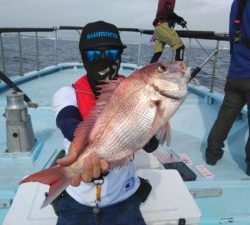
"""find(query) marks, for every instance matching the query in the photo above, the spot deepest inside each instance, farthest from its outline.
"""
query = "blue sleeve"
(67, 120)
(233, 14)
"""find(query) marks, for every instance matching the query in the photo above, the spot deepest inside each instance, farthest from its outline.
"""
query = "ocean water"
(67, 51)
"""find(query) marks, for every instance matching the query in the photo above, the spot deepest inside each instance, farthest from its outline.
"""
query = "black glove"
(178, 19)
(182, 22)
(151, 145)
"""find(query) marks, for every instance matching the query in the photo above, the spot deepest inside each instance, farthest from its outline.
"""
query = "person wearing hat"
(164, 32)
(98, 195)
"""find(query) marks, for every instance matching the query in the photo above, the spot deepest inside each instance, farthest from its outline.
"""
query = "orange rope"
(98, 192)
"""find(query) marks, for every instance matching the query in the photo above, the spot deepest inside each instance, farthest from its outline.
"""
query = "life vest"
(84, 96)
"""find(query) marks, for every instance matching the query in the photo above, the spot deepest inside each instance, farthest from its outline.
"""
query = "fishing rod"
(185, 26)
(196, 70)
(12, 85)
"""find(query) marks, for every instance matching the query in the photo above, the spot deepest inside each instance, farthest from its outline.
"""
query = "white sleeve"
(65, 96)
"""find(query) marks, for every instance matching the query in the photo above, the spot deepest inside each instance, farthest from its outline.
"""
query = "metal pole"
(139, 49)
(37, 53)
(2, 52)
(80, 57)
(214, 67)
(199, 43)
(12, 85)
(20, 53)
(188, 51)
(56, 61)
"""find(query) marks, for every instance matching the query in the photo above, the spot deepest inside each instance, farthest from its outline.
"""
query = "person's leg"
(123, 213)
(169, 36)
(158, 47)
(232, 104)
(155, 57)
(179, 53)
(164, 34)
(70, 212)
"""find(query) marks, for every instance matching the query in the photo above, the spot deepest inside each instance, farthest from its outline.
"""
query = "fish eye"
(162, 69)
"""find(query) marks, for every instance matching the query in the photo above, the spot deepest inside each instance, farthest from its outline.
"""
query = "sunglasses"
(95, 55)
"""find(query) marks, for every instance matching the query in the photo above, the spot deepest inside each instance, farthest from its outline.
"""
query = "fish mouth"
(178, 89)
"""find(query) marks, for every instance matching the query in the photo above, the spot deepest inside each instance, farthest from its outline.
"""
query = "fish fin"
(163, 156)
(107, 88)
(55, 177)
(81, 135)
(164, 134)
(83, 130)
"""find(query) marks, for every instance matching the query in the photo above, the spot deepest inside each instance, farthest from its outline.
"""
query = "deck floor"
(190, 127)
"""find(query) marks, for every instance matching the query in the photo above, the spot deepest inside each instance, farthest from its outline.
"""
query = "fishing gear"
(12, 85)
(196, 70)
(239, 36)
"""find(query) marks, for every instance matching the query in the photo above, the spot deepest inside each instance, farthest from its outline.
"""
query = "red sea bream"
(127, 114)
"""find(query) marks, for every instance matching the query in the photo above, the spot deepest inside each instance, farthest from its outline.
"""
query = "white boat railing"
(188, 35)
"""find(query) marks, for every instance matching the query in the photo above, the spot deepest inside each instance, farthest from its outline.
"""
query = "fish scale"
(126, 134)
(118, 135)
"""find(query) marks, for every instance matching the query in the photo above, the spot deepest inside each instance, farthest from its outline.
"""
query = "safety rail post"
(20, 53)
(56, 38)
(2, 53)
(214, 67)
(80, 57)
(37, 52)
(188, 50)
(139, 49)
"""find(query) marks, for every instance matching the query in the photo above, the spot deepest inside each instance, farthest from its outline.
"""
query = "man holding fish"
(104, 124)
(101, 50)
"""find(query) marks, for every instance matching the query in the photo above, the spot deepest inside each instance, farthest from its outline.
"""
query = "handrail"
(208, 35)
(20, 30)
(25, 29)
(189, 34)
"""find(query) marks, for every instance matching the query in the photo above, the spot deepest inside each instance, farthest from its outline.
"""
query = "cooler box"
(26, 207)
(169, 202)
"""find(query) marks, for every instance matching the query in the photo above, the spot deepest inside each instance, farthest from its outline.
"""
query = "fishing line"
(198, 43)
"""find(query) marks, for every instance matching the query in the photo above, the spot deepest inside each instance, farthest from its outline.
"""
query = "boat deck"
(227, 187)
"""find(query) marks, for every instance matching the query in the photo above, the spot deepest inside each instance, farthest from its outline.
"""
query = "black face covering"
(102, 70)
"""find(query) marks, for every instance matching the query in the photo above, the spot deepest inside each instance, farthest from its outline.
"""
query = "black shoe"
(211, 161)
(248, 170)
(211, 158)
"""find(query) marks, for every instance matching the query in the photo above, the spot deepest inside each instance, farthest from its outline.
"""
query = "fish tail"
(55, 177)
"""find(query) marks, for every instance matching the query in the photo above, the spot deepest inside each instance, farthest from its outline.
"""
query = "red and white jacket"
(120, 183)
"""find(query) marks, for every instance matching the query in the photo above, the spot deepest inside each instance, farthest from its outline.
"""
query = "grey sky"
(200, 14)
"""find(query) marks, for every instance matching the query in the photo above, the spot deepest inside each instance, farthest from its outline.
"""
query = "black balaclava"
(104, 69)
(99, 36)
